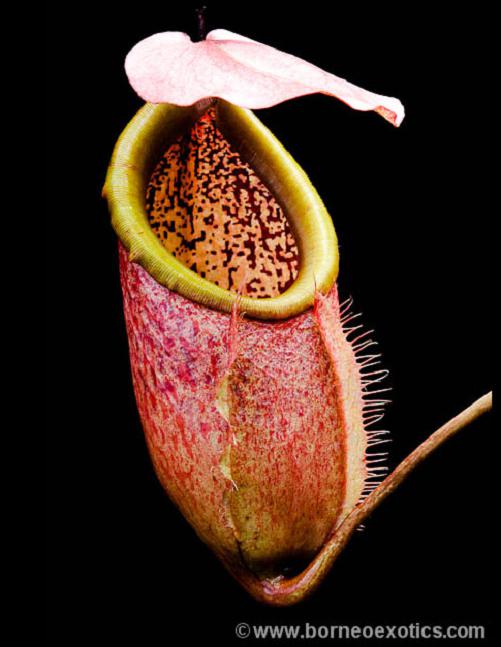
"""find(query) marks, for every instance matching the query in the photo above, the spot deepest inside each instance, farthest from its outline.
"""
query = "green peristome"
(137, 151)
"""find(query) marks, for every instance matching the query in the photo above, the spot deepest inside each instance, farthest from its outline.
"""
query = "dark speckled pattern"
(213, 213)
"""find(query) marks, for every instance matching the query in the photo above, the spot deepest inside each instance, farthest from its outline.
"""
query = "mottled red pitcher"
(255, 404)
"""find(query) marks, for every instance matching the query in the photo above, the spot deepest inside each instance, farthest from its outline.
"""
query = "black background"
(411, 208)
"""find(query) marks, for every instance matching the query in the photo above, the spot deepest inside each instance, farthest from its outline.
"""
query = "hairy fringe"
(372, 375)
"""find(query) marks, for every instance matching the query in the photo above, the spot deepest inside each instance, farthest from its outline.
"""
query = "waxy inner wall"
(213, 213)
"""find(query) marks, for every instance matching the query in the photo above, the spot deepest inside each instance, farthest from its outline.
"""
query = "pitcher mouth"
(138, 151)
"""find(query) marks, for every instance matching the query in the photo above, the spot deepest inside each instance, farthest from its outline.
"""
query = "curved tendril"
(283, 592)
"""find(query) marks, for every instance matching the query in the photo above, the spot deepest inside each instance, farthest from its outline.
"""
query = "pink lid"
(170, 68)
